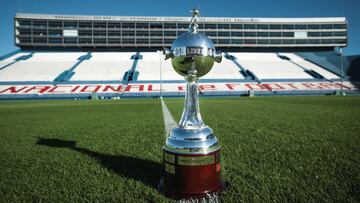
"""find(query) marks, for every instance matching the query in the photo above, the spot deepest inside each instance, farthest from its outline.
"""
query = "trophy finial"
(195, 15)
(195, 11)
(193, 47)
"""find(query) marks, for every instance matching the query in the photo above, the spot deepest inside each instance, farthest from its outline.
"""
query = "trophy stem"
(191, 117)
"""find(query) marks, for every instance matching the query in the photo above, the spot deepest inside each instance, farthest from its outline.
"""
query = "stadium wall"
(170, 89)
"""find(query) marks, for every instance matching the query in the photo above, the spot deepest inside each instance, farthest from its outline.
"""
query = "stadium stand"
(326, 60)
(227, 70)
(270, 66)
(39, 66)
(103, 66)
(12, 58)
(168, 72)
(149, 69)
(66, 56)
(310, 66)
(39, 74)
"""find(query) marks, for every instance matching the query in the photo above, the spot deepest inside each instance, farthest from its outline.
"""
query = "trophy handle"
(218, 57)
(168, 53)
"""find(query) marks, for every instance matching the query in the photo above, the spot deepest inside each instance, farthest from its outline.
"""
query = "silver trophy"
(192, 144)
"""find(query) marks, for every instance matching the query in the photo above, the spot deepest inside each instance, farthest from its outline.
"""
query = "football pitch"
(293, 149)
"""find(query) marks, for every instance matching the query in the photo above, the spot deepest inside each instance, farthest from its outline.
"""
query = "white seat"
(103, 66)
(270, 66)
(149, 68)
(41, 66)
(307, 64)
(34, 71)
(227, 69)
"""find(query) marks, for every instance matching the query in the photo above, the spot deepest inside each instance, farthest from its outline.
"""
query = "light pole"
(160, 55)
(342, 71)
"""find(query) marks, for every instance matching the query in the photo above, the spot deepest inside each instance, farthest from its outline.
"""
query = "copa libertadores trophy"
(192, 152)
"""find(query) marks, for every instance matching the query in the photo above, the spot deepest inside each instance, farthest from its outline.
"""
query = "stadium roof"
(184, 19)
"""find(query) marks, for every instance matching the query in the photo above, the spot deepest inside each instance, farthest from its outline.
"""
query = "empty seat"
(308, 65)
(227, 69)
(103, 66)
(39, 66)
(270, 66)
(149, 68)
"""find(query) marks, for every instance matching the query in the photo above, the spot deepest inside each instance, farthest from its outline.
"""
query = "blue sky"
(219, 8)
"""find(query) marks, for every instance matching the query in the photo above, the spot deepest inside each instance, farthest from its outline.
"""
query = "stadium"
(283, 103)
(118, 56)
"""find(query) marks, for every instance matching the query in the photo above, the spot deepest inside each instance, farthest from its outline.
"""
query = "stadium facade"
(63, 56)
(158, 32)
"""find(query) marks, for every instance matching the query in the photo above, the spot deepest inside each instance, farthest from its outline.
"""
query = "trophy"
(191, 155)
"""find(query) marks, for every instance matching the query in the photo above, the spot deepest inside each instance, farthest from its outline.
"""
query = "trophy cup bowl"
(193, 47)
(192, 152)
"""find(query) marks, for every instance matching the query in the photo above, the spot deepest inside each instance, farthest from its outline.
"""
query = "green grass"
(273, 149)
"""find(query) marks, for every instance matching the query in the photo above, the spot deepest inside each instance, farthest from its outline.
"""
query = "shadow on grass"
(148, 172)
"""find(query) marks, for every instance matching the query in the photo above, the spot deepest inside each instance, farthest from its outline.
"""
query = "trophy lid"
(193, 42)
(193, 53)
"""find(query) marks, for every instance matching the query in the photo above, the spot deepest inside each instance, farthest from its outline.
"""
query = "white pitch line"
(169, 121)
